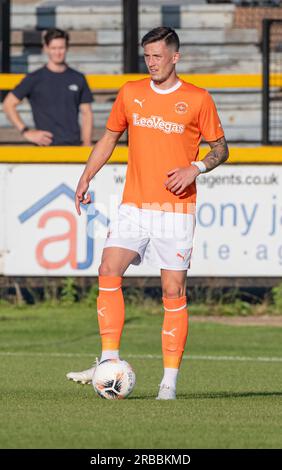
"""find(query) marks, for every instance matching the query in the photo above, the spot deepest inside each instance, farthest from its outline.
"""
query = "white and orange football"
(113, 379)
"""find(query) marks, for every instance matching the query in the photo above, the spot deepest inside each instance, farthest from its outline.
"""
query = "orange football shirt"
(165, 128)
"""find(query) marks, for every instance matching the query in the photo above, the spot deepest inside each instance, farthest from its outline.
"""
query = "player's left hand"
(180, 178)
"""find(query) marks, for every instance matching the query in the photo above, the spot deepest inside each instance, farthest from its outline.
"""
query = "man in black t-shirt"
(57, 93)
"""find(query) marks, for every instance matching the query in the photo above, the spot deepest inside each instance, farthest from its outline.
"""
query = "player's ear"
(176, 57)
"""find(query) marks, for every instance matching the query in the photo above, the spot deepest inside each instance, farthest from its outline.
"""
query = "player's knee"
(105, 269)
(173, 292)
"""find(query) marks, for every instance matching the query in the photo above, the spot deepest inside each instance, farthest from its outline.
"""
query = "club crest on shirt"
(181, 107)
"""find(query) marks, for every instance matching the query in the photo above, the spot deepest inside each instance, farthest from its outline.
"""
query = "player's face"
(56, 51)
(160, 60)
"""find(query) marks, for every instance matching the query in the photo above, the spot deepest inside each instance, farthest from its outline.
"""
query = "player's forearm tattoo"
(218, 154)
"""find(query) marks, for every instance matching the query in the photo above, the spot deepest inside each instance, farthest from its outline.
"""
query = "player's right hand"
(80, 195)
(38, 137)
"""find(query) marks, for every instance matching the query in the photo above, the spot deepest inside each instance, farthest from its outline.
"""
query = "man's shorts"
(165, 239)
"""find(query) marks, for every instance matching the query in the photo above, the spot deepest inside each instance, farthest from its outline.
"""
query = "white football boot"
(166, 393)
(85, 376)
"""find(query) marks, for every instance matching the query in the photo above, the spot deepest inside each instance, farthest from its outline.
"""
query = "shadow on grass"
(209, 395)
(231, 394)
(132, 320)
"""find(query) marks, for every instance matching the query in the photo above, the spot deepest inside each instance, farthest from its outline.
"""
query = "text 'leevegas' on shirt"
(165, 128)
(55, 99)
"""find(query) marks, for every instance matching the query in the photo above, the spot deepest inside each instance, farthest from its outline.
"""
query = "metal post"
(266, 80)
(4, 40)
(5, 36)
(130, 36)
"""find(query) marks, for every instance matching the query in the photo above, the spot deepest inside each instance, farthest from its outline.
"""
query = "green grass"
(221, 403)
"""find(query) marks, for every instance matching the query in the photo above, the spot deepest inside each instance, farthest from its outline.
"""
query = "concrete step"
(188, 36)
(10, 136)
(210, 43)
(110, 16)
(93, 65)
(26, 63)
(113, 2)
(237, 132)
(33, 38)
(194, 59)
(192, 53)
(207, 16)
(240, 114)
(196, 36)
(100, 111)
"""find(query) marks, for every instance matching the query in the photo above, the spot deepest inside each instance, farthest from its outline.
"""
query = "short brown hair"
(162, 33)
(55, 33)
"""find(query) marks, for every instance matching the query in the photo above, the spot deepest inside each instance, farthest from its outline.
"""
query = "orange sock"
(175, 331)
(110, 308)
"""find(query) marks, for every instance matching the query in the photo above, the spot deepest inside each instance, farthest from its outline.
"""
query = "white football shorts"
(165, 239)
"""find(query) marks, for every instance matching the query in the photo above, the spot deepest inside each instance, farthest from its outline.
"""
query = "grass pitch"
(229, 389)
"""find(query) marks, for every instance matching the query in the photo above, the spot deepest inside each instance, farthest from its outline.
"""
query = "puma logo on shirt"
(139, 102)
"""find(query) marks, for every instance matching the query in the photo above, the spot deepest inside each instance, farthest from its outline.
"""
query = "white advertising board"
(238, 232)
(3, 170)
(239, 222)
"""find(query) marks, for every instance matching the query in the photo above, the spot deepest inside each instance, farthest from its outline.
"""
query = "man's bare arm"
(86, 123)
(33, 135)
(98, 157)
(218, 154)
(10, 108)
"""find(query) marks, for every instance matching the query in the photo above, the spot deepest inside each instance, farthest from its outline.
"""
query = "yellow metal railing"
(110, 82)
(213, 81)
(80, 154)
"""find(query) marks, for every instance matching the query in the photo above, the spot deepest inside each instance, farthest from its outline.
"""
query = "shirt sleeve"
(85, 93)
(209, 122)
(24, 88)
(117, 120)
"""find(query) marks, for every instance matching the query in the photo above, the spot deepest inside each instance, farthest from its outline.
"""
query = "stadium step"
(10, 136)
(96, 36)
(215, 39)
(109, 16)
(240, 114)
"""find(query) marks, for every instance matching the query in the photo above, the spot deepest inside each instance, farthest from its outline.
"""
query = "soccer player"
(166, 119)
(57, 93)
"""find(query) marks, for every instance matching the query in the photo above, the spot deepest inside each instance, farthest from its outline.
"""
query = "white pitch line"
(235, 358)
(193, 357)
(215, 358)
